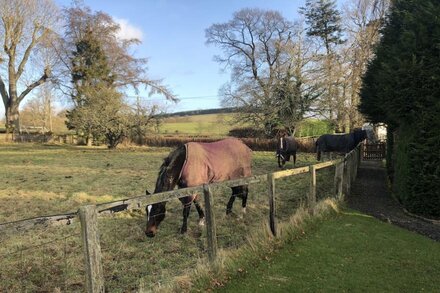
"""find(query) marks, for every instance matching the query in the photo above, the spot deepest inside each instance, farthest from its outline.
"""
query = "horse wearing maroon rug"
(194, 164)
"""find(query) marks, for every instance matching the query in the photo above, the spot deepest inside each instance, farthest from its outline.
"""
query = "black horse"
(194, 164)
(340, 143)
(286, 147)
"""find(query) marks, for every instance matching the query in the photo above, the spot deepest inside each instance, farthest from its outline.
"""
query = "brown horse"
(194, 164)
(286, 147)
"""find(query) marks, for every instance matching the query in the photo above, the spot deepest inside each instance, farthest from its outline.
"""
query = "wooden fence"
(345, 173)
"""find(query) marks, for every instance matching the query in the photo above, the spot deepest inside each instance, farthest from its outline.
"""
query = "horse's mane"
(169, 171)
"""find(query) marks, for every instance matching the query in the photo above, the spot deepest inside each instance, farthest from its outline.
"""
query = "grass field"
(347, 253)
(207, 124)
(41, 180)
(220, 124)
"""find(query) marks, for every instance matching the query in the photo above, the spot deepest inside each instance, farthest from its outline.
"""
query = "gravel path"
(370, 196)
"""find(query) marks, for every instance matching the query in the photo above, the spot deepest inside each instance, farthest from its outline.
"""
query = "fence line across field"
(138, 201)
(345, 173)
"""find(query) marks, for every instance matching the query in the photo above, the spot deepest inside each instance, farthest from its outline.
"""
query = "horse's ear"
(147, 192)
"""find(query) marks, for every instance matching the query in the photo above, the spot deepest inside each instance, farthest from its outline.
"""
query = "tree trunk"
(12, 119)
(89, 140)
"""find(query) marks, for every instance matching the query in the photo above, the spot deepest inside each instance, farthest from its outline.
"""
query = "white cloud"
(128, 31)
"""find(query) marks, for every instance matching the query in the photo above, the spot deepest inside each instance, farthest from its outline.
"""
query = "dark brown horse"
(286, 147)
(340, 143)
(194, 164)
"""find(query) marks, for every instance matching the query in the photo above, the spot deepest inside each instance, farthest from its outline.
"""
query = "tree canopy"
(100, 66)
(402, 88)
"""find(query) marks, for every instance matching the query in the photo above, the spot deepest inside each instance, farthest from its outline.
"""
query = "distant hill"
(201, 112)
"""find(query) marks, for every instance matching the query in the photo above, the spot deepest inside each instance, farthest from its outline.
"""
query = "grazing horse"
(341, 143)
(194, 164)
(286, 147)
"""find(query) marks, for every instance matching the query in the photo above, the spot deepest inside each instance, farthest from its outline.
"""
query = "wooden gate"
(374, 151)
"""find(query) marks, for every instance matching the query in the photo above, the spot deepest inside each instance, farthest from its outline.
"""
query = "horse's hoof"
(202, 222)
(244, 211)
(183, 231)
(228, 212)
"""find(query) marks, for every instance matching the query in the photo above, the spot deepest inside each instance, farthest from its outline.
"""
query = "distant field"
(214, 125)
(220, 124)
(208, 124)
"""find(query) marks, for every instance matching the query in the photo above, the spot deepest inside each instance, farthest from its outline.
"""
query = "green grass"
(220, 124)
(207, 124)
(313, 127)
(347, 253)
(41, 180)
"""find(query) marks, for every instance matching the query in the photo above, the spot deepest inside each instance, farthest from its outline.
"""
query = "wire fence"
(48, 259)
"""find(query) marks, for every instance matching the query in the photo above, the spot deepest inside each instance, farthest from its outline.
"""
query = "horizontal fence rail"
(138, 201)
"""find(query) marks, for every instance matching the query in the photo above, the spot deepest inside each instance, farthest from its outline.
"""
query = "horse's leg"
(186, 210)
(244, 196)
(230, 202)
(294, 159)
(200, 212)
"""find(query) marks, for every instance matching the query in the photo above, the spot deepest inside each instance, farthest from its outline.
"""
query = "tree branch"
(33, 85)
(3, 92)
(34, 40)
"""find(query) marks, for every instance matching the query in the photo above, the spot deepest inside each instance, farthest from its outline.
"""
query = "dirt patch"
(370, 195)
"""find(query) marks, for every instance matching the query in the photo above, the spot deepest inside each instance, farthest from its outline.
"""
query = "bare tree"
(25, 29)
(143, 118)
(363, 21)
(257, 47)
(298, 87)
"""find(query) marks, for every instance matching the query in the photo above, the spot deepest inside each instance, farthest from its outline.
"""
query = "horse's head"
(359, 135)
(281, 151)
(371, 134)
(156, 212)
(155, 215)
(166, 180)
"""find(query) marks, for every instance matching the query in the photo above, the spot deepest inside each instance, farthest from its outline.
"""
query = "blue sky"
(173, 38)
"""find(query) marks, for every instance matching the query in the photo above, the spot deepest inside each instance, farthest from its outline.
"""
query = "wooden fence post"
(272, 206)
(312, 193)
(347, 175)
(355, 158)
(210, 224)
(339, 177)
(92, 249)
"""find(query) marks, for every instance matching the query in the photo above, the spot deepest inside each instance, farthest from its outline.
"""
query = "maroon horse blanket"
(216, 161)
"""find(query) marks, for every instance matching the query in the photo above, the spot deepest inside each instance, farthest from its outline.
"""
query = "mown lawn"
(350, 252)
